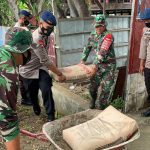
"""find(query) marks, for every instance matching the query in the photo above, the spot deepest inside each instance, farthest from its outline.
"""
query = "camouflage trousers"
(102, 81)
(9, 124)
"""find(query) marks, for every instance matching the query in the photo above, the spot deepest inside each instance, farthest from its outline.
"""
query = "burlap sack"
(109, 128)
(75, 72)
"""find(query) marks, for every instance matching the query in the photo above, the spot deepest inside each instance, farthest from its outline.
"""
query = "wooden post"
(56, 37)
(99, 4)
(104, 7)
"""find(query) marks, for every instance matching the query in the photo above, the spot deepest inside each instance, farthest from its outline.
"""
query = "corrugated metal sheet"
(72, 35)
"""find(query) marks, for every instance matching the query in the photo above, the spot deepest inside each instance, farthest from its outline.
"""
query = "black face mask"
(147, 24)
(26, 22)
(47, 32)
(26, 58)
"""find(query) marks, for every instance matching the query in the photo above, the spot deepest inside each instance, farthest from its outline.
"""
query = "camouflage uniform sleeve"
(87, 48)
(104, 48)
(9, 124)
(8, 80)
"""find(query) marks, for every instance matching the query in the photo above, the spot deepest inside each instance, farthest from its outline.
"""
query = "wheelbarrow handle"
(39, 136)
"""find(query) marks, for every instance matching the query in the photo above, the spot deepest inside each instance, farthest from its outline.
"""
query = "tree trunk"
(82, 8)
(40, 5)
(73, 10)
(14, 8)
(61, 13)
(57, 10)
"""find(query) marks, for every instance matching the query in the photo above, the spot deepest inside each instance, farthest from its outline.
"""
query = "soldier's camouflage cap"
(100, 20)
(18, 40)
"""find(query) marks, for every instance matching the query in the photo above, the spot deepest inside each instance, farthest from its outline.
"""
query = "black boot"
(26, 102)
(92, 104)
(93, 94)
(146, 113)
(51, 117)
(37, 110)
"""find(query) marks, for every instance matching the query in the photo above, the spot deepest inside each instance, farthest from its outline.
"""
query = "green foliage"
(33, 5)
(118, 103)
(22, 1)
(6, 15)
(58, 2)
(22, 5)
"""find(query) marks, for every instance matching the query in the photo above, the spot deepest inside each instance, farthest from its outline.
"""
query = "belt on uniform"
(113, 60)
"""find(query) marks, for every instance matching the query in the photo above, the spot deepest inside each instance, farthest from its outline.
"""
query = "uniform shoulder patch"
(109, 36)
(107, 41)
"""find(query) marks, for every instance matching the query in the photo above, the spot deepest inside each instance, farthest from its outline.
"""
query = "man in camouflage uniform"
(102, 42)
(14, 53)
(145, 59)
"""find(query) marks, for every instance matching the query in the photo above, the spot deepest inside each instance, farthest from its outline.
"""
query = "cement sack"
(109, 128)
(75, 72)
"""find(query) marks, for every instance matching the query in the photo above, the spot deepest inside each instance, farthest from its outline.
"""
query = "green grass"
(118, 103)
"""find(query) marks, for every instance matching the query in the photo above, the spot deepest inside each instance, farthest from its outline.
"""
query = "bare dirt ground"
(32, 123)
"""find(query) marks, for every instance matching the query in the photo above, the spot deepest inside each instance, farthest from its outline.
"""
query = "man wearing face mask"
(15, 52)
(23, 22)
(101, 41)
(144, 56)
(24, 17)
(35, 72)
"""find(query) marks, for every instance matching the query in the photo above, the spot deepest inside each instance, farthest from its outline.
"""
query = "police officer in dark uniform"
(145, 57)
(35, 72)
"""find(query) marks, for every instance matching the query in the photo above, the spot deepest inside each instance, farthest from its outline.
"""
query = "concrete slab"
(67, 102)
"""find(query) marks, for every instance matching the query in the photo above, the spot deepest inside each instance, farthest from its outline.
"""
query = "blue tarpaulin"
(2, 34)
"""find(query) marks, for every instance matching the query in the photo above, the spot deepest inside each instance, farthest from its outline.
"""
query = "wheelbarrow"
(53, 130)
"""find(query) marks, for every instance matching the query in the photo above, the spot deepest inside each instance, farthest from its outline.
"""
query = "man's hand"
(142, 66)
(61, 78)
(141, 69)
(93, 72)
